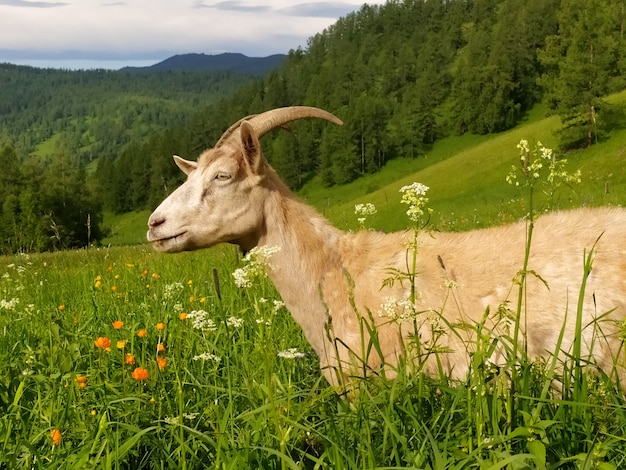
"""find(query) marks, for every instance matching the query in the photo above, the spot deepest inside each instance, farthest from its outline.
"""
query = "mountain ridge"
(230, 61)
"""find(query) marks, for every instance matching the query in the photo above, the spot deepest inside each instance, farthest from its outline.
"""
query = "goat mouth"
(173, 243)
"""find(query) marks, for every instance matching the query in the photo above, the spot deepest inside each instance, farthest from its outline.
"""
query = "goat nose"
(155, 220)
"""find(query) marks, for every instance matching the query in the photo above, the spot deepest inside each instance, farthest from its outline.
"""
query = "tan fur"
(333, 282)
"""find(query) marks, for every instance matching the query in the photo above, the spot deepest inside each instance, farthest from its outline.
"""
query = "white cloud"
(156, 29)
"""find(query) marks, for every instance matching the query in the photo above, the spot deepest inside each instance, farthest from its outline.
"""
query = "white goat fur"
(328, 278)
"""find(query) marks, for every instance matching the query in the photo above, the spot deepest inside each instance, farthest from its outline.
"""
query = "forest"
(400, 75)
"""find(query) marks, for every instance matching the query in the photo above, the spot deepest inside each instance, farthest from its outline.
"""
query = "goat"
(333, 282)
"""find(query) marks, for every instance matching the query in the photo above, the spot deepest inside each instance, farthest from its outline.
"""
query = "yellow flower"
(140, 374)
(121, 344)
(97, 284)
(160, 326)
(192, 298)
(189, 282)
(55, 434)
(142, 333)
(113, 288)
(103, 342)
(118, 324)
(61, 307)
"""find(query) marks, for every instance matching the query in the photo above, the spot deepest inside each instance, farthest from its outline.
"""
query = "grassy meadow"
(123, 358)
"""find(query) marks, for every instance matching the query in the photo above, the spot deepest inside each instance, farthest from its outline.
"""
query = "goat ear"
(251, 147)
(186, 166)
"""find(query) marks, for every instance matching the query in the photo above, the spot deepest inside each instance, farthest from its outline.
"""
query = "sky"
(84, 34)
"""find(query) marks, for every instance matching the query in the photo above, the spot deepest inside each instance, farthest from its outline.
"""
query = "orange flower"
(129, 359)
(55, 434)
(155, 276)
(162, 362)
(140, 374)
(103, 342)
(183, 315)
(160, 326)
(160, 347)
(61, 307)
(142, 333)
(82, 381)
(118, 324)
(113, 288)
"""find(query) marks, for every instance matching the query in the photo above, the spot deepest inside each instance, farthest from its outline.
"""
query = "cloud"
(157, 29)
(27, 4)
(235, 5)
(320, 9)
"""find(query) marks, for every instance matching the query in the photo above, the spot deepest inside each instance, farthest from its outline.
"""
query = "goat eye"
(222, 176)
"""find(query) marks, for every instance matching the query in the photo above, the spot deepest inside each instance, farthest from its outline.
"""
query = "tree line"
(401, 75)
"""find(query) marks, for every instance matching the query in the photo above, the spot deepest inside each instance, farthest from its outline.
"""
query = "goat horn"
(262, 123)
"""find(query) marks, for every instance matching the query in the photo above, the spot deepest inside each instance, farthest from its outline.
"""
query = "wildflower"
(278, 304)
(94, 412)
(161, 362)
(192, 298)
(140, 374)
(397, 310)
(207, 357)
(414, 195)
(81, 380)
(234, 322)
(161, 347)
(363, 211)
(142, 333)
(61, 307)
(155, 276)
(9, 304)
(169, 290)
(291, 353)
(200, 320)
(182, 316)
(190, 282)
(97, 284)
(55, 434)
(118, 324)
(129, 359)
(160, 326)
(103, 342)
(257, 259)
(121, 344)
(113, 288)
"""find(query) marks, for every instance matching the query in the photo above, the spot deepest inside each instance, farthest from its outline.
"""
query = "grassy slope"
(466, 175)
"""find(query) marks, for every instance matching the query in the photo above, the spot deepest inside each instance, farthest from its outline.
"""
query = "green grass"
(251, 408)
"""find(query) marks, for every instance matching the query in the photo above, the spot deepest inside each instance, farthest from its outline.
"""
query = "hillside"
(238, 63)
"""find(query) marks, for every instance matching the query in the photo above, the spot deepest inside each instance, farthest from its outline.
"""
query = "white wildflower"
(256, 261)
(291, 353)
(9, 304)
(169, 290)
(363, 211)
(414, 195)
(262, 321)
(200, 320)
(397, 309)
(234, 322)
(207, 357)
(278, 305)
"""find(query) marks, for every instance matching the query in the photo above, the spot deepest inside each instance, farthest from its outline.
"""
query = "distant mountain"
(255, 66)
